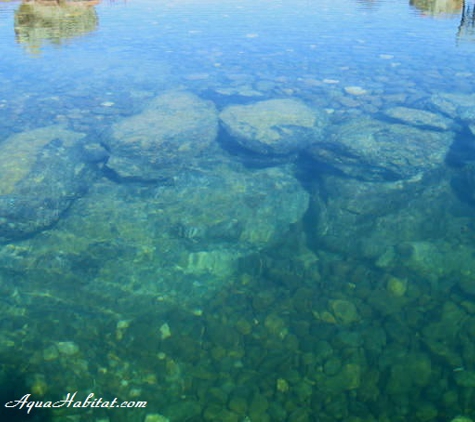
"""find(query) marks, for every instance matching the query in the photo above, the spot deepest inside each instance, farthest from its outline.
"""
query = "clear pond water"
(238, 211)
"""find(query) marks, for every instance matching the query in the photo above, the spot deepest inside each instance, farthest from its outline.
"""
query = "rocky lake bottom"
(232, 236)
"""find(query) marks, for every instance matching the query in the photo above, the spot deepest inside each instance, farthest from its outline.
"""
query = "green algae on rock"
(373, 150)
(43, 171)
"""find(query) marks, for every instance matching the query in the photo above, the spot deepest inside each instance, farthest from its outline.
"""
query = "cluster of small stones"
(277, 345)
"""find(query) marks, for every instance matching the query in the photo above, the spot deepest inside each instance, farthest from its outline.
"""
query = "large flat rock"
(419, 118)
(174, 130)
(373, 150)
(273, 126)
(43, 171)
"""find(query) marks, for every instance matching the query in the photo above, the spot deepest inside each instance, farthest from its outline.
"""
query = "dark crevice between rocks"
(461, 159)
(247, 157)
(462, 150)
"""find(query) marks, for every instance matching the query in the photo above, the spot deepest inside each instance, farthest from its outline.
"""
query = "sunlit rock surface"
(457, 106)
(273, 126)
(419, 118)
(174, 130)
(450, 104)
(43, 171)
(372, 150)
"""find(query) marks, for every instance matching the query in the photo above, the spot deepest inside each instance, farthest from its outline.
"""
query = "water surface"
(219, 278)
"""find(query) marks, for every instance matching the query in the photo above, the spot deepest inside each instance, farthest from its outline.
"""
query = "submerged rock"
(379, 220)
(349, 378)
(345, 311)
(43, 171)
(396, 286)
(461, 419)
(372, 150)
(417, 117)
(273, 126)
(348, 219)
(451, 104)
(233, 215)
(197, 232)
(174, 130)
(457, 106)
(436, 261)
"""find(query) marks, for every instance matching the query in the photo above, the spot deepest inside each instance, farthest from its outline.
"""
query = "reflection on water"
(40, 21)
(465, 9)
(438, 7)
(466, 30)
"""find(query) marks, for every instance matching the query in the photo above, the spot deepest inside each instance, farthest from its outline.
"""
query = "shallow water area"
(238, 211)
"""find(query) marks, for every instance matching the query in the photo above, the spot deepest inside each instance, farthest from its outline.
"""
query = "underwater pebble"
(165, 331)
(355, 90)
(244, 327)
(426, 412)
(282, 385)
(197, 76)
(123, 324)
(68, 348)
(396, 286)
(135, 392)
(38, 386)
(238, 404)
(463, 74)
(50, 353)
(417, 117)
(276, 326)
(155, 417)
(461, 419)
(345, 312)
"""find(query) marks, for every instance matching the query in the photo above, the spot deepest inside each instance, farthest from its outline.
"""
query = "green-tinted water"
(238, 211)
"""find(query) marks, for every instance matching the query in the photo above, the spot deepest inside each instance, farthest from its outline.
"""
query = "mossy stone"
(219, 414)
(238, 404)
(349, 378)
(344, 311)
(276, 326)
(461, 419)
(218, 353)
(465, 378)
(396, 286)
(426, 412)
(258, 407)
(323, 351)
(243, 326)
(299, 415)
(332, 366)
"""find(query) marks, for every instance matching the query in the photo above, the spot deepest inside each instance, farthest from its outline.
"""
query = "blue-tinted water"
(238, 210)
